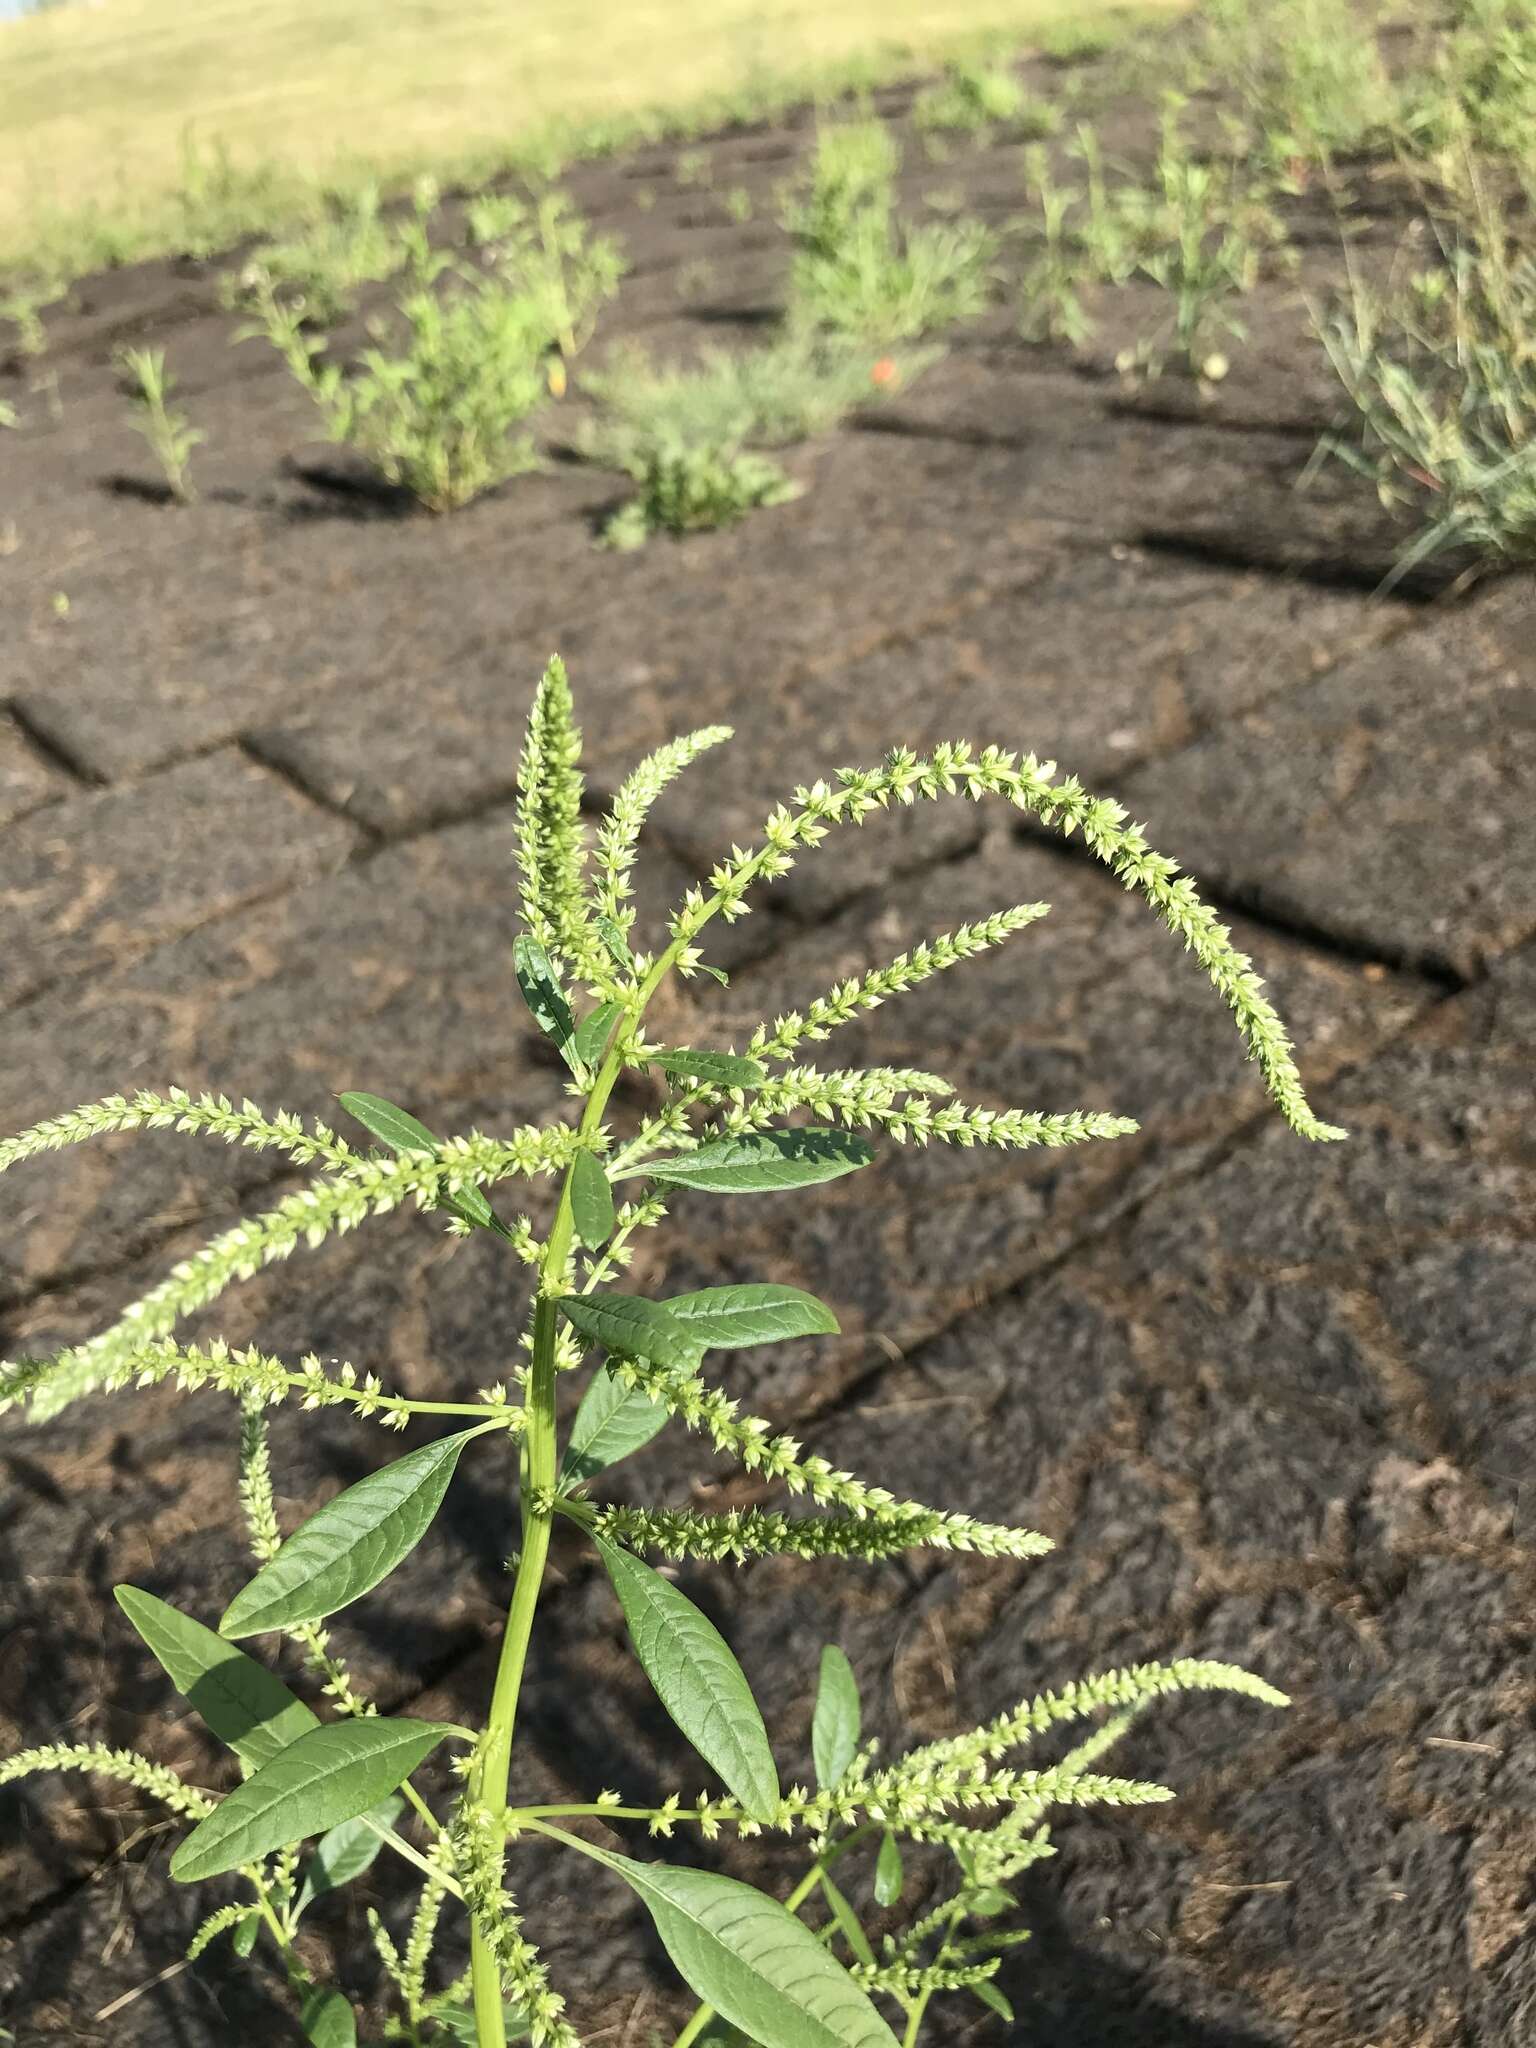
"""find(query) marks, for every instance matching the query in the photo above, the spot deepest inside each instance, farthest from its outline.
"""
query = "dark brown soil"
(1274, 1403)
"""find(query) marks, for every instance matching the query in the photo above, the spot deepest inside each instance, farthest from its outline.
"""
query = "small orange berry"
(884, 372)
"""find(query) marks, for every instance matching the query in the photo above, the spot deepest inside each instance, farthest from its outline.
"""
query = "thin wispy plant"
(766, 1118)
(1439, 368)
(171, 436)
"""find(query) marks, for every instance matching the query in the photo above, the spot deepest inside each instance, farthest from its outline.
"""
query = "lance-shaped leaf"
(612, 1421)
(755, 1963)
(992, 1998)
(241, 1701)
(592, 1209)
(352, 1543)
(332, 1774)
(835, 1719)
(594, 1030)
(631, 1326)
(763, 1162)
(346, 1852)
(541, 992)
(697, 1679)
(400, 1131)
(843, 1913)
(719, 1069)
(328, 2020)
(888, 1872)
(726, 1318)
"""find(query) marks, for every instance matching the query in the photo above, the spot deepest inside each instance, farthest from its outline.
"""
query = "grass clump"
(975, 96)
(1479, 90)
(859, 272)
(144, 379)
(1439, 367)
(795, 388)
(329, 1770)
(1309, 74)
(689, 434)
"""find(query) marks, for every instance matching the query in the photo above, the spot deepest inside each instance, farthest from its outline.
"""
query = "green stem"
(695, 2026)
(919, 2006)
(488, 1788)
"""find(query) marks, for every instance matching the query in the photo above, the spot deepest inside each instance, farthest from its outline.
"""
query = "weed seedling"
(144, 379)
(320, 269)
(687, 434)
(219, 201)
(433, 404)
(1309, 75)
(1051, 304)
(729, 1125)
(1199, 228)
(860, 273)
(799, 386)
(21, 301)
(969, 98)
(1201, 232)
(683, 489)
(544, 253)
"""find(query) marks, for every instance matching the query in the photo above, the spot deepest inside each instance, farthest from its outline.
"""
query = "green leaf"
(992, 1998)
(612, 1421)
(726, 1318)
(386, 1121)
(720, 1069)
(759, 1967)
(835, 1721)
(400, 1131)
(592, 1208)
(332, 1774)
(888, 1872)
(716, 973)
(593, 1031)
(541, 992)
(697, 1679)
(241, 1701)
(328, 2020)
(848, 1921)
(243, 1940)
(352, 1543)
(631, 1326)
(763, 1162)
(988, 1901)
(346, 1852)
